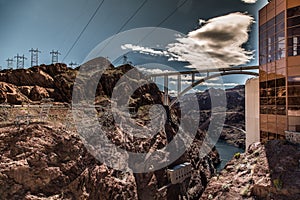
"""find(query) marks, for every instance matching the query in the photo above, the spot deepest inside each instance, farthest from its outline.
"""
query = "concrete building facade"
(279, 73)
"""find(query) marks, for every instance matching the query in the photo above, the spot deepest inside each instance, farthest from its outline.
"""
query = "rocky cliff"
(234, 124)
(43, 160)
(269, 171)
(56, 82)
(33, 84)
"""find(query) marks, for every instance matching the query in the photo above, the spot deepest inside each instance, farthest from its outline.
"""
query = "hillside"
(55, 81)
(269, 171)
(47, 158)
(234, 123)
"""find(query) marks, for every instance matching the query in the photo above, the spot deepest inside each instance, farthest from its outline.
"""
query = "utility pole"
(10, 63)
(34, 56)
(73, 64)
(20, 61)
(55, 56)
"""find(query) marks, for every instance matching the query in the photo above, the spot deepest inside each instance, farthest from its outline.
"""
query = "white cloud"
(145, 50)
(183, 83)
(215, 44)
(193, 90)
(249, 1)
(153, 71)
(211, 84)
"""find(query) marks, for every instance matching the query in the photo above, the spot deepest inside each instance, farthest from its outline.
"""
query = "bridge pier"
(178, 84)
(166, 90)
(210, 73)
(193, 78)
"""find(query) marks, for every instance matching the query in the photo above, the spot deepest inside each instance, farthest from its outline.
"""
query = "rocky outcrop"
(46, 81)
(37, 93)
(269, 171)
(27, 77)
(11, 93)
(42, 160)
(234, 124)
(56, 82)
(45, 161)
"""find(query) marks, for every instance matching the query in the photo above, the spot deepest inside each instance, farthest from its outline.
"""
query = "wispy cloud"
(145, 50)
(153, 71)
(185, 84)
(220, 84)
(187, 77)
(249, 1)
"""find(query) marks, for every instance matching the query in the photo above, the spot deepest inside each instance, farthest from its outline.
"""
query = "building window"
(263, 44)
(273, 97)
(272, 40)
(293, 12)
(294, 95)
(293, 25)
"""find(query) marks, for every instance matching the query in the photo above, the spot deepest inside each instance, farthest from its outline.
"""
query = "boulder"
(25, 89)
(11, 94)
(37, 93)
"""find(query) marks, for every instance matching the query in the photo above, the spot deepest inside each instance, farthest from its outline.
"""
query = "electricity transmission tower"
(73, 64)
(55, 56)
(10, 63)
(20, 61)
(34, 56)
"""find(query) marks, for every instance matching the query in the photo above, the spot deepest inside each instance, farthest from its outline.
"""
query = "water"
(226, 152)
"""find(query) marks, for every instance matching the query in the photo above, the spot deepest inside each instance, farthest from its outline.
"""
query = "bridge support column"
(178, 84)
(193, 78)
(166, 90)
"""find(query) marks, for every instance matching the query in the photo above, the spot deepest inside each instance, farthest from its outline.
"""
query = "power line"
(119, 59)
(163, 21)
(132, 16)
(158, 25)
(128, 20)
(85, 27)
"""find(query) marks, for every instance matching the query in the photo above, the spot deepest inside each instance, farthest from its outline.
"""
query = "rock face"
(234, 124)
(42, 160)
(11, 93)
(56, 82)
(268, 171)
(45, 81)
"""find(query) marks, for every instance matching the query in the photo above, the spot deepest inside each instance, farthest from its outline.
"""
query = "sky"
(56, 25)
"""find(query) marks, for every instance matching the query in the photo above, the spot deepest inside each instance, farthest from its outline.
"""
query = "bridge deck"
(204, 71)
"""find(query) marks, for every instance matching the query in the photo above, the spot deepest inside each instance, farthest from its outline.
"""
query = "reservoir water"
(226, 152)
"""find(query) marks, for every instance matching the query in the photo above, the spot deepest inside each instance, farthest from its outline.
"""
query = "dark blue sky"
(55, 24)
